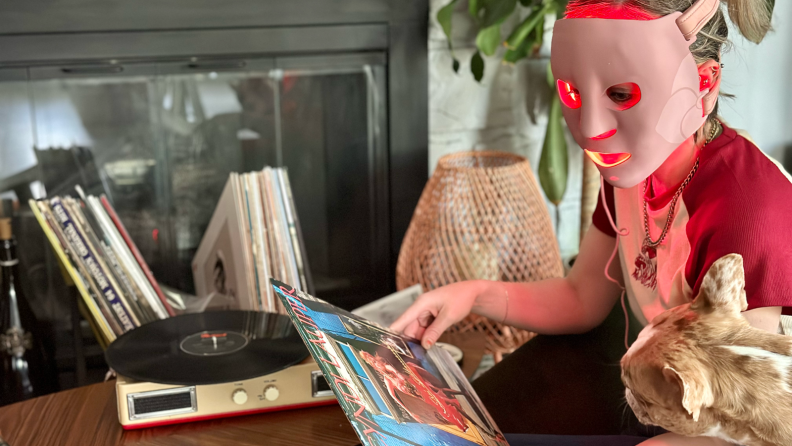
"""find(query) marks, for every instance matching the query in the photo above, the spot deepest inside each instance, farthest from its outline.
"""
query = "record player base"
(87, 416)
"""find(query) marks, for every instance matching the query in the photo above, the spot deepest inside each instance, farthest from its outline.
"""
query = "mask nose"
(596, 122)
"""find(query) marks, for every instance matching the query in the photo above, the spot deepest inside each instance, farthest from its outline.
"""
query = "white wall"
(506, 111)
(761, 78)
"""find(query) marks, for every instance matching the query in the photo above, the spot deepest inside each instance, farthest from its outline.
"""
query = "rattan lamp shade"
(480, 216)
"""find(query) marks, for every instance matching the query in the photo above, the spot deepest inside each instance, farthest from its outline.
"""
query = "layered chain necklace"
(646, 261)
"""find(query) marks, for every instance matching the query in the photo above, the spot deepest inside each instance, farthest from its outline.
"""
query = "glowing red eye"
(569, 95)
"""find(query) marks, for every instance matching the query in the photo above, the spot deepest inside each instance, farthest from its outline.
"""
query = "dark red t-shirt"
(738, 201)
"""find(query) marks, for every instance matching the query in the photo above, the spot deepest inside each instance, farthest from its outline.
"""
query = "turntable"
(212, 365)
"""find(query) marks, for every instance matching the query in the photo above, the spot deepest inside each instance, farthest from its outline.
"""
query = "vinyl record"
(207, 348)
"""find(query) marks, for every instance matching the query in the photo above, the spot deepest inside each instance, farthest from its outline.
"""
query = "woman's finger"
(414, 329)
(408, 316)
(433, 332)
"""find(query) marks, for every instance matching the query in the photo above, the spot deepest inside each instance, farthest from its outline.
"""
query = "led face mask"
(630, 89)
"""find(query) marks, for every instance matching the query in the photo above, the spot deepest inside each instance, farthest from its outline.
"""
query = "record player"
(213, 365)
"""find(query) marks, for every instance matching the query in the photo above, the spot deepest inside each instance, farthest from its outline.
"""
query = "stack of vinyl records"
(254, 235)
(119, 292)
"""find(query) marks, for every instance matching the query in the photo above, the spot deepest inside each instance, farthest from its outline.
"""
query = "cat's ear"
(694, 391)
(723, 286)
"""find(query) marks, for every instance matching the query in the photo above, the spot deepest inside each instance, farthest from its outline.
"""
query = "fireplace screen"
(160, 140)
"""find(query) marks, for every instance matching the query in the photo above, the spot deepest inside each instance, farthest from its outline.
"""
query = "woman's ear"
(709, 79)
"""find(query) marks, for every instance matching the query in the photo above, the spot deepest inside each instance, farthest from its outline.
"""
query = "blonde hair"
(752, 18)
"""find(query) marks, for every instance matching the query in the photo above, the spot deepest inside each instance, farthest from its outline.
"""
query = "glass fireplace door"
(160, 140)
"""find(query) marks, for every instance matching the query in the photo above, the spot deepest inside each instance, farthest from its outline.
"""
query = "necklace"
(646, 261)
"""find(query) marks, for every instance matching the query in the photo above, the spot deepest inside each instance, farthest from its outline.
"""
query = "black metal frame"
(94, 36)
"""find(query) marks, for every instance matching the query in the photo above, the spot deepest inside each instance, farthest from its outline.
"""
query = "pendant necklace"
(646, 261)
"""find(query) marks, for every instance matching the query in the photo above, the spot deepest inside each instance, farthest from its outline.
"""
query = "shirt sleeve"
(748, 213)
(600, 219)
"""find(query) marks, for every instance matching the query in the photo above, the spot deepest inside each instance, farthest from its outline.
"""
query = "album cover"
(393, 391)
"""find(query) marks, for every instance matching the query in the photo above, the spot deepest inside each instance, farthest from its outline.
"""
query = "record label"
(210, 343)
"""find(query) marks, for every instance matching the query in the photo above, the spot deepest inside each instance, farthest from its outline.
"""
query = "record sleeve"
(93, 265)
(252, 235)
(125, 258)
(219, 264)
(250, 297)
(103, 332)
(392, 390)
(136, 253)
(102, 244)
(79, 269)
(100, 268)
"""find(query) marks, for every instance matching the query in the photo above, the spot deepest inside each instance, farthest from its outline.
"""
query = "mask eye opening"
(569, 95)
(624, 96)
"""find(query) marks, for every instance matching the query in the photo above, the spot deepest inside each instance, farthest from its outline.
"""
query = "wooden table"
(87, 416)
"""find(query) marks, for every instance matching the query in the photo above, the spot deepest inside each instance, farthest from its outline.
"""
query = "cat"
(700, 369)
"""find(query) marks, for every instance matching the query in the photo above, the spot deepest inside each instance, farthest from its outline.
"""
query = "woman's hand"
(435, 311)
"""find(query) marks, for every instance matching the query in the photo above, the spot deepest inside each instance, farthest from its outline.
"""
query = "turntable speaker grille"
(158, 403)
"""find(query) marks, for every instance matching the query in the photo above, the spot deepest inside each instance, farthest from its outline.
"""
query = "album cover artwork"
(393, 391)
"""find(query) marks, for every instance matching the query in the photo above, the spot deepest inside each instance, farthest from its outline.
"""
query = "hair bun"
(752, 17)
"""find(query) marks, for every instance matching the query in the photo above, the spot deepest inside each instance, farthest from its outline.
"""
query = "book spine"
(136, 253)
(103, 332)
(80, 245)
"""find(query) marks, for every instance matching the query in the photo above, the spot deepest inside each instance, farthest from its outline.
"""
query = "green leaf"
(560, 7)
(489, 12)
(521, 52)
(477, 66)
(444, 18)
(488, 39)
(553, 163)
(456, 65)
(523, 29)
(473, 9)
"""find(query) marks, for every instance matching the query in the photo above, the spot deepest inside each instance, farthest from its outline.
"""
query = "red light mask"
(630, 89)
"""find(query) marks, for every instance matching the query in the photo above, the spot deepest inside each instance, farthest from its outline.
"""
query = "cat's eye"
(624, 96)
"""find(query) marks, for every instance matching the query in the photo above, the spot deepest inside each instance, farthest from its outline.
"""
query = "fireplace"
(154, 102)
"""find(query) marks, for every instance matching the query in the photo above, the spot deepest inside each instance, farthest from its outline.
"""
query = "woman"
(419, 393)
(639, 81)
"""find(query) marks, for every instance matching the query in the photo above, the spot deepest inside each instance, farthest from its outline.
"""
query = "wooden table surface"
(87, 416)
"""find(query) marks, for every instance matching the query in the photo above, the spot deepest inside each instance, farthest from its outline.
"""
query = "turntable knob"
(239, 396)
(271, 393)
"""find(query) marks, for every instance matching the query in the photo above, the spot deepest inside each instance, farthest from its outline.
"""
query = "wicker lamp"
(480, 216)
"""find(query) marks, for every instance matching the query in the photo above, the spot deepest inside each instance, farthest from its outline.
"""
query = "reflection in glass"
(161, 148)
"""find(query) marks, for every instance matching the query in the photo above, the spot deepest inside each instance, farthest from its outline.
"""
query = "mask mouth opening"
(605, 135)
(607, 159)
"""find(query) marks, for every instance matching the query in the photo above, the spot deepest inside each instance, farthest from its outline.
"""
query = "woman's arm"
(574, 304)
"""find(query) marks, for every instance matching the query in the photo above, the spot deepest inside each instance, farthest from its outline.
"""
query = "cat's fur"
(701, 370)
